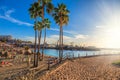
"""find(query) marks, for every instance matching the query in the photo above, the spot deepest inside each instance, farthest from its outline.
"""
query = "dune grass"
(116, 63)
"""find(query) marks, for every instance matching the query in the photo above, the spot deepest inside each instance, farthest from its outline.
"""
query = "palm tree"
(61, 17)
(35, 11)
(46, 24)
(39, 28)
(47, 6)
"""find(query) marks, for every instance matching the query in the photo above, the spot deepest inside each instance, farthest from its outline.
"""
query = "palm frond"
(60, 14)
(49, 8)
(46, 23)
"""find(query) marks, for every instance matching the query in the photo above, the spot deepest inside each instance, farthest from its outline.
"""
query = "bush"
(6, 54)
(0, 53)
(117, 63)
(26, 47)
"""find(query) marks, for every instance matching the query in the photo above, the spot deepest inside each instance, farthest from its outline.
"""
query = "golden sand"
(93, 68)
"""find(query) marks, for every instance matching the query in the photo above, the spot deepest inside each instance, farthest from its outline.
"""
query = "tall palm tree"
(46, 24)
(39, 28)
(61, 17)
(47, 6)
(35, 11)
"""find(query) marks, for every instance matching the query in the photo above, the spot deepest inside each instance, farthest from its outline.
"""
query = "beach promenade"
(92, 68)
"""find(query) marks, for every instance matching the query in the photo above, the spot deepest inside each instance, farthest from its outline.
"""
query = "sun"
(111, 32)
(108, 28)
(113, 37)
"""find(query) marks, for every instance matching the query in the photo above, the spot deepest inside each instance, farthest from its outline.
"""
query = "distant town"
(21, 43)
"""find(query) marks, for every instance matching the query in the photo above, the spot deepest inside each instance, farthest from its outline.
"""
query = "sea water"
(76, 53)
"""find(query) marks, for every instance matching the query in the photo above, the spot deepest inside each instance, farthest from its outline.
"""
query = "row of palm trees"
(37, 11)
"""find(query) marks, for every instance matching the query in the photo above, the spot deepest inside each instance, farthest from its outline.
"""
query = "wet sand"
(93, 68)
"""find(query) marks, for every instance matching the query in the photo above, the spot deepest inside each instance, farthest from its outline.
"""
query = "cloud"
(67, 39)
(80, 36)
(57, 37)
(52, 39)
(65, 31)
(7, 16)
(54, 29)
(99, 27)
(7, 13)
(28, 38)
(70, 32)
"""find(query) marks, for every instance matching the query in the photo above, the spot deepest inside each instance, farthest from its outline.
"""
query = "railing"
(71, 55)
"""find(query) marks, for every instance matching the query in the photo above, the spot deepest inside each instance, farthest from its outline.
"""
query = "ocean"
(76, 53)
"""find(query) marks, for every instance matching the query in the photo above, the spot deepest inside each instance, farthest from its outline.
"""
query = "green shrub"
(26, 47)
(117, 63)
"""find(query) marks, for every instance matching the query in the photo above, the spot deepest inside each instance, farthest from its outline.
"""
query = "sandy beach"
(60, 40)
(88, 68)
(93, 68)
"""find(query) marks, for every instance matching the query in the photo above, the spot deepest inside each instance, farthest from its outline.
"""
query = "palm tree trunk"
(38, 49)
(44, 34)
(34, 65)
(60, 45)
(61, 41)
(38, 53)
(40, 42)
(44, 43)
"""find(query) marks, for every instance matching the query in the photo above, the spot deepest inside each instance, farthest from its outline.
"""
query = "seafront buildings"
(21, 43)
(5, 37)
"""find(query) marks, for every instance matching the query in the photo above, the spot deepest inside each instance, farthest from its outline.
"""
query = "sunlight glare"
(113, 32)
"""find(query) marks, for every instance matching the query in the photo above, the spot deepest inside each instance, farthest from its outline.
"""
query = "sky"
(91, 22)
